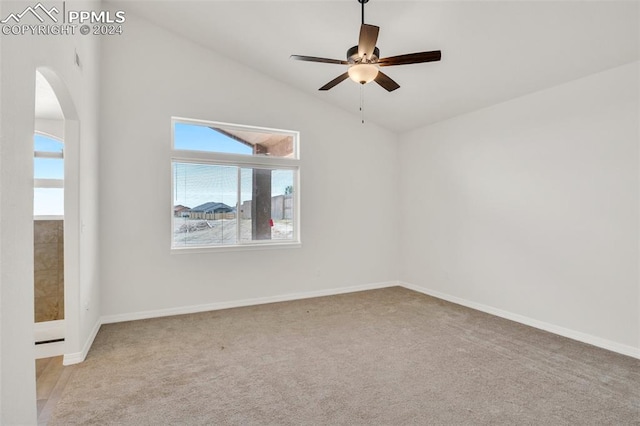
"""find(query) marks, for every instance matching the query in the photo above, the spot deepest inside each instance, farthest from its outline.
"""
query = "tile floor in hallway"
(51, 378)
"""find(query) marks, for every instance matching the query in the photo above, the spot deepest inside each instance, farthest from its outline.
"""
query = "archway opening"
(49, 221)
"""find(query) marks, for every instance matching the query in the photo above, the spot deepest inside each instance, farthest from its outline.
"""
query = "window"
(233, 186)
(48, 171)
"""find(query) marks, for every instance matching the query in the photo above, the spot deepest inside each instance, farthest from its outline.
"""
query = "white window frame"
(240, 161)
(48, 183)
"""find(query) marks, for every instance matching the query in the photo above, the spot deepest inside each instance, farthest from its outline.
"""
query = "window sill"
(237, 247)
(48, 217)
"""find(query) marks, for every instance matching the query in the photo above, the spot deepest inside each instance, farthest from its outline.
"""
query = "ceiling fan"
(364, 59)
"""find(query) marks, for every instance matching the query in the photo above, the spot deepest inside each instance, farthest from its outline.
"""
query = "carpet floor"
(380, 357)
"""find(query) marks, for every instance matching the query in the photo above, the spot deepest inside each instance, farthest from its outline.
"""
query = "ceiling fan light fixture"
(363, 73)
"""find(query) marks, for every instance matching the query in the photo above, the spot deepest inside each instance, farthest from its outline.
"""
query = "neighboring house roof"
(212, 207)
(180, 208)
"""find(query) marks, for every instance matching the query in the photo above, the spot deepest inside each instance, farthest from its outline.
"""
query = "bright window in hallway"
(48, 171)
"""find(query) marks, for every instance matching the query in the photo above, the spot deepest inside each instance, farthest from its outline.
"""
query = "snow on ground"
(197, 232)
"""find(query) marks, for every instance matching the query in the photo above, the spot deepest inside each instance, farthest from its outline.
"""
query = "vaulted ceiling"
(492, 51)
(46, 105)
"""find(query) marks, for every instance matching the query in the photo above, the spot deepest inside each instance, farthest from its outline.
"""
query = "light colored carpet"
(390, 356)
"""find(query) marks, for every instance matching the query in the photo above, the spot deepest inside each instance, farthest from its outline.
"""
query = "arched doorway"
(56, 213)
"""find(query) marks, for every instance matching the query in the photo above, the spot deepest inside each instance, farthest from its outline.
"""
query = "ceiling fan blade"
(335, 81)
(316, 59)
(385, 81)
(411, 58)
(368, 40)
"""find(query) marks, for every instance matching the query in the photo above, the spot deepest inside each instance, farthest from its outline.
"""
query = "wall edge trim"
(157, 313)
(78, 357)
(551, 328)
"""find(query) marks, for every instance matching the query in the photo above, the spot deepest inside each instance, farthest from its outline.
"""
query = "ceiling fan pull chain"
(362, 103)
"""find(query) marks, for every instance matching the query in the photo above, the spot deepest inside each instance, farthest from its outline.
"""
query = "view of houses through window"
(233, 185)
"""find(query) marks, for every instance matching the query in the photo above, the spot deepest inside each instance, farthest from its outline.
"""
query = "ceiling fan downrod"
(362, 2)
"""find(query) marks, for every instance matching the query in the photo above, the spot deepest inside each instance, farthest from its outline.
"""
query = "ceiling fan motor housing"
(353, 58)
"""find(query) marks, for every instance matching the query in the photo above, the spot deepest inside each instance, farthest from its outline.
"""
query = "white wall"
(20, 57)
(530, 209)
(2, 277)
(348, 181)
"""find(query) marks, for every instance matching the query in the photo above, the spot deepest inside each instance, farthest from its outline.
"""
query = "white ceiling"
(492, 51)
(47, 105)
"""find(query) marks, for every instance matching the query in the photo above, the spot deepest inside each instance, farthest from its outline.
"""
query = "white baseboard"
(78, 357)
(565, 332)
(48, 350)
(571, 334)
(241, 303)
(48, 330)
